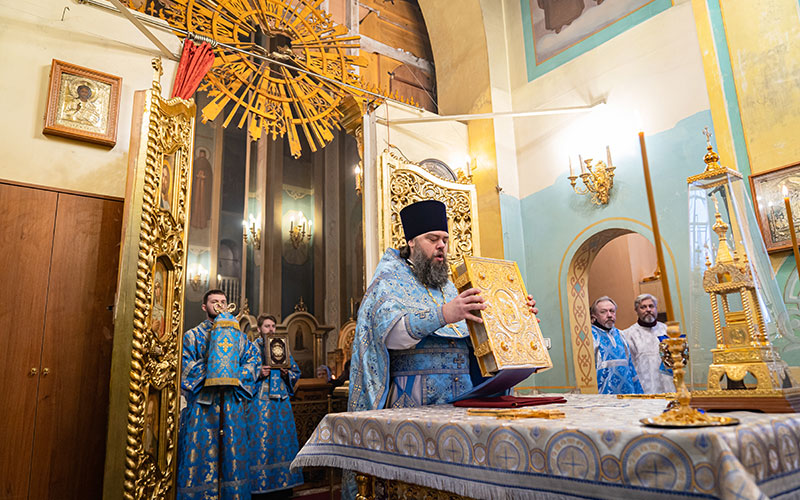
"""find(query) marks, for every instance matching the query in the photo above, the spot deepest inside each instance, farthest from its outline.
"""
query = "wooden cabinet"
(60, 254)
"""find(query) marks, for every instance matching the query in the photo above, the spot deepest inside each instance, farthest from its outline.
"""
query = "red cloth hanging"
(195, 62)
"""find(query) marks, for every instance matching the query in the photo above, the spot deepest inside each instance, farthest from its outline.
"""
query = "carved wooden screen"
(145, 386)
(402, 183)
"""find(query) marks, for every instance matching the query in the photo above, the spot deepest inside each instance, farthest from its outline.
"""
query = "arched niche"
(574, 280)
(306, 340)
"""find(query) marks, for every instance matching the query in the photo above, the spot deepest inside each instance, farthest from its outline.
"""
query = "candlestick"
(656, 233)
(791, 229)
(608, 155)
(580, 164)
(570, 166)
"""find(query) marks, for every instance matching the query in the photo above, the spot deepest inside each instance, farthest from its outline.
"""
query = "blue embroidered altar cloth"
(600, 450)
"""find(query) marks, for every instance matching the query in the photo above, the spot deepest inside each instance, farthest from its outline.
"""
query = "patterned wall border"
(576, 284)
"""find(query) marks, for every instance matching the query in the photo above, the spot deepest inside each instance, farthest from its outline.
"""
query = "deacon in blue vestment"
(612, 356)
(273, 435)
(219, 367)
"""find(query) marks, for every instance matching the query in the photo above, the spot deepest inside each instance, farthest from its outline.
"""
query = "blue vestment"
(212, 436)
(273, 435)
(395, 294)
(615, 371)
(435, 371)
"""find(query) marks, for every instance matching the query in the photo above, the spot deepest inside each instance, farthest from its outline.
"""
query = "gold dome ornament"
(281, 66)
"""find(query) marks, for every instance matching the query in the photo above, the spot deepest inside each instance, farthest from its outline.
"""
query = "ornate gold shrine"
(148, 322)
(402, 183)
(742, 344)
(509, 336)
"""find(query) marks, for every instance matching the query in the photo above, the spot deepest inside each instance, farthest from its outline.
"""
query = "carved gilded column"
(145, 384)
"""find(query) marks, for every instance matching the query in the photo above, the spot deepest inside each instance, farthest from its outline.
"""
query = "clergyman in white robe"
(644, 346)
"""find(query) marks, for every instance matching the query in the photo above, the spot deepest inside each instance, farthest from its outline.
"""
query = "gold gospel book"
(509, 336)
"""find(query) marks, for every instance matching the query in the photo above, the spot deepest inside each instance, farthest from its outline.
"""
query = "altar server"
(218, 372)
(273, 435)
(644, 339)
(615, 371)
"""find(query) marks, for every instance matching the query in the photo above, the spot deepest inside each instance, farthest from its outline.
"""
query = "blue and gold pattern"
(222, 366)
(615, 371)
(273, 435)
(598, 451)
(395, 294)
(212, 441)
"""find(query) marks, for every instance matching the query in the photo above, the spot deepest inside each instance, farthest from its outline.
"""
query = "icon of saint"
(81, 107)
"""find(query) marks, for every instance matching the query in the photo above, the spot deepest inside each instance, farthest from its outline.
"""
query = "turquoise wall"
(513, 244)
(552, 217)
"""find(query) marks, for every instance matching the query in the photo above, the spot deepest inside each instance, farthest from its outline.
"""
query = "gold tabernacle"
(740, 308)
(509, 336)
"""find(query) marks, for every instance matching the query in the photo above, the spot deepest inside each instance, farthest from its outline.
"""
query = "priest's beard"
(649, 318)
(431, 273)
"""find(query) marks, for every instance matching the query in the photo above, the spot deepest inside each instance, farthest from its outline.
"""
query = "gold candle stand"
(681, 414)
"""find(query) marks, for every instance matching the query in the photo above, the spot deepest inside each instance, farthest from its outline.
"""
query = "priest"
(411, 341)
(644, 340)
(615, 371)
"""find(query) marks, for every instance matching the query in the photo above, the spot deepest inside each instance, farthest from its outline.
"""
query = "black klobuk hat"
(422, 217)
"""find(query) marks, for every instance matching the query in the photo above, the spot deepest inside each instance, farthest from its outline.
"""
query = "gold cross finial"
(159, 70)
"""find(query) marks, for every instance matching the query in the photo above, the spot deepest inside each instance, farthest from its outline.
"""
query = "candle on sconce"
(792, 232)
(608, 156)
(571, 173)
(580, 161)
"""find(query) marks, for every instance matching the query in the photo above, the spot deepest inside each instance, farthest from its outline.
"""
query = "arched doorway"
(623, 269)
(578, 301)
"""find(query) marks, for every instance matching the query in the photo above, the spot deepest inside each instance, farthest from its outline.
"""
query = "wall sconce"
(300, 230)
(598, 179)
(198, 277)
(464, 174)
(359, 179)
(252, 233)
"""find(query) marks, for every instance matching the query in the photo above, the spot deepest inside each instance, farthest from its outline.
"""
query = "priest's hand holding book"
(470, 300)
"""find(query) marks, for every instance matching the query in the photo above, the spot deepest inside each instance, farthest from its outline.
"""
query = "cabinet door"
(72, 412)
(26, 234)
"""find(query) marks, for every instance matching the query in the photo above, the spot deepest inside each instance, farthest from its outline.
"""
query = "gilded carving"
(305, 85)
(403, 183)
(150, 469)
(742, 344)
(509, 336)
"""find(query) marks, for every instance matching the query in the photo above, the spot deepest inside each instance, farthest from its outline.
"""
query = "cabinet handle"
(33, 371)
(45, 371)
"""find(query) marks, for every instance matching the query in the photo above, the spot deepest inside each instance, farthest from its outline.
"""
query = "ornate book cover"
(276, 352)
(509, 336)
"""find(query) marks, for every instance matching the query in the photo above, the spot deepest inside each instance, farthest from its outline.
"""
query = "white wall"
(446, 140)
(651, 75)
(32, 34)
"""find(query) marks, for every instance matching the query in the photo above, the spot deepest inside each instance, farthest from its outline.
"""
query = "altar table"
(599, 450)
